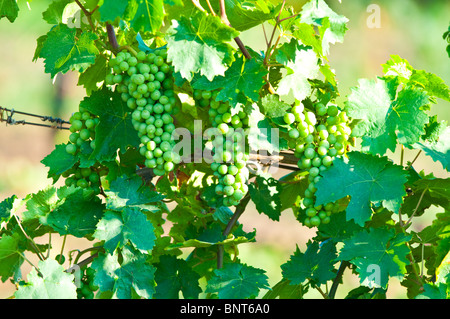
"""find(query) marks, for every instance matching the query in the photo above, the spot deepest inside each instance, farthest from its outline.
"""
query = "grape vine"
(165, 85)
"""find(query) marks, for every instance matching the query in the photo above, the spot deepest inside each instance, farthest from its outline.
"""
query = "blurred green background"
(410, 28)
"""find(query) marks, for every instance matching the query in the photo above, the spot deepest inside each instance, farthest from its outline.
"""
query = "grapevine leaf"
(129, 191)
(272, 107)
(172, 276)
(263, 136)
(378, 254)
(115, 130)
(438, 150)
(367, 179)
(316, 264)
(105, 266)
(41, 204)
(54, 12)
(284, 290)
(384, 119)
(199, 44)
(77, 214)
(9, 9)
(399, 67)
(93, 75)
(10, 256)
(332, 26)
(431, 83)
(265, 194)
(237, 281)
(136, 276)
(59, 161)
(54, 283)
(129, 225)
(434, 291)
(149, 15)
(242, 81)
(338, 229)
(111, 9)
(7, 208)
(302, 64)
(64, 50)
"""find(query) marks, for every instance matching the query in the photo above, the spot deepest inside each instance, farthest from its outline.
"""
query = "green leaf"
(10, 256)
(7, 207)
(64, 50)
(93, 75)
(199, 44)
(431, 83)
(316, 264)
(284, 290)
(266, 196)
(54, 12)
(55, 283)
(242, 82)
(128, 191)
(111, 9)
(9, 9)
(272, 107)
(128, 226)
(149, 15)
(132, 278)
(41, 204)
(237, 281)
(384, 119)
(434, 291)
(438, 150)
(115, 130)
(262, 135)
(77, 214)
(302, 65)
(398, 67)
(332, 26)
(173, 276)
(135, 277)
(367, 179)
(378, 254)
(59, 161)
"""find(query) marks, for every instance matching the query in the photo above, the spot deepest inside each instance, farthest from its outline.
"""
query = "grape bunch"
(87, 288)
(228, 136)
(82, 128)
(320, 136)
(82, 140)
(145, 82)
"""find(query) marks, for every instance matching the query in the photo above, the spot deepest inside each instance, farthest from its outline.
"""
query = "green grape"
(321, 134)
(147, 88)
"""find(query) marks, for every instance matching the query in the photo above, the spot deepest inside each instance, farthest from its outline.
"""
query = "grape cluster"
(145, 82)
(82, 140)
(82, 128)
(87, 288)
(320, 135)
(228, 136)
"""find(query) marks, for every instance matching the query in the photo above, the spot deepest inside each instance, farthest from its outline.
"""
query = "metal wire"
(6, 115)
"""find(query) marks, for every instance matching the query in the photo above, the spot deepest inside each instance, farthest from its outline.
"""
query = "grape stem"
(224, 18)
(337, 279)
(233, 220)
(112, 37)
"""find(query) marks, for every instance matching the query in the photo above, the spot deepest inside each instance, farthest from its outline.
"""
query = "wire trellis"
(7, 116)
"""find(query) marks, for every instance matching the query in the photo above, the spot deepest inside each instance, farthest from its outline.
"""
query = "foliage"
(170, 228)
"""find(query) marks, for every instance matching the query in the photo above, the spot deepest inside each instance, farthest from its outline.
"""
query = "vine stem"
(33, 244)
(224, 18)
(233, 220)
(112, 37)
(337, 279)
(87, 13)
